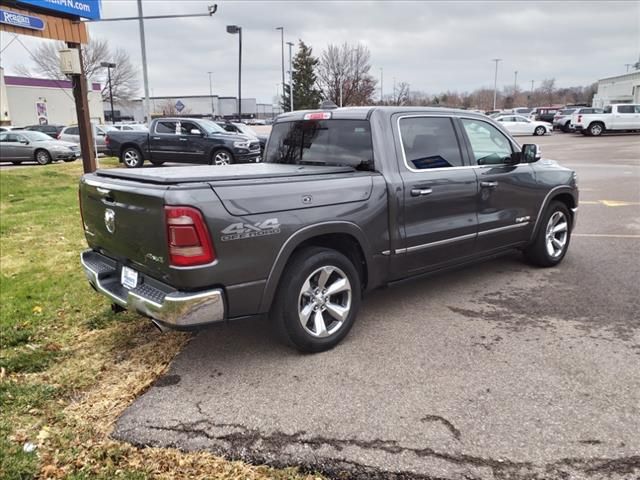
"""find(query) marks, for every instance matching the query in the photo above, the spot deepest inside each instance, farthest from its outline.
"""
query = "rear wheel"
(318, 299)
(43, 157)
(553, 236)
(221, 157)
(131, 157)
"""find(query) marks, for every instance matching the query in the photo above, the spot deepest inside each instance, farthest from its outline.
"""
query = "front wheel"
(43, 157)
(539, 131)
(596, 129)
(318, 299)
(553, 236)
(131, 157)
(221, 157)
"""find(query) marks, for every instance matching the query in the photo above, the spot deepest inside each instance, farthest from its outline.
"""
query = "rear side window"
(626, 109)
(429, 142)
(72, 131)
(166, 127)
(322, 142)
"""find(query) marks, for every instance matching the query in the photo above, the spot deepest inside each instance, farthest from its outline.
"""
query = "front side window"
(626, 109)
(429, 142)
(321, 142)
(522, 120)
(72, 131)
(490, 146)
(608, 109)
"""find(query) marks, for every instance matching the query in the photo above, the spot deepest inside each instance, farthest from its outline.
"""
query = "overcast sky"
(435, 46)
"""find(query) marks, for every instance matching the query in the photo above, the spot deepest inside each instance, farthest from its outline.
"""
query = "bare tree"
(124, 77)
(345, 69)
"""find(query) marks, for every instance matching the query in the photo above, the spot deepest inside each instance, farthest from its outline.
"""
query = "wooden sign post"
(43, 22)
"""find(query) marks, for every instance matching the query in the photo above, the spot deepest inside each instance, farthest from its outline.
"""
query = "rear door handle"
(155, 138)
(183, 139)
(419, 192)
(489, 184)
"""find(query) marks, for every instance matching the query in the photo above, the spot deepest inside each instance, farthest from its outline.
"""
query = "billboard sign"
(77, 8)
(19, 20)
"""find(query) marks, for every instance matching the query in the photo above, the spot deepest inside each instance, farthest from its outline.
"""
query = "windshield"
(211, 127)
(36, 136)
(322, 142)
(247, 130)
(568, 111)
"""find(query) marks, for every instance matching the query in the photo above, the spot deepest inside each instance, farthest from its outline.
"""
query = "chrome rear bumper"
(170, 307)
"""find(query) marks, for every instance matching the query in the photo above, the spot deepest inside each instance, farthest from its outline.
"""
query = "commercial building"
(619, 89)
(193, 106)
(30, 101)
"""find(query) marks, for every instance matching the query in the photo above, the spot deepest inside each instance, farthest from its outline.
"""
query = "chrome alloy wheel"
(221, 158)
(557, 234)
(324, 302)
(131, 158)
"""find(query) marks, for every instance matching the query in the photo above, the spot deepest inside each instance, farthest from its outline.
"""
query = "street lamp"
(233, 29)
(282, 50)
(109, 66)
(290, 77)
(495, 82)
(211, 93)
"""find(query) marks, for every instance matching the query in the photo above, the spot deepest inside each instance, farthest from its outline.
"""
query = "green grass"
(68, 364)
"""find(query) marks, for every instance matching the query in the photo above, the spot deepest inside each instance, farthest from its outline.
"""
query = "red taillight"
(317, 116)
(188, 237)
(579, 118)
(107, 140)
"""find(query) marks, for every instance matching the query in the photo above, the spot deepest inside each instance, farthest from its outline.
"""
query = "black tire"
(538, 253)
(596, 129)
(566, 128)
(157, 163)
(221, 156)
(288, 306)
(131, 157)
(42, 157)
(539, 131)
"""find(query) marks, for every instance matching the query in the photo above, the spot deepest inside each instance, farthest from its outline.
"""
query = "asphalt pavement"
(498, 370)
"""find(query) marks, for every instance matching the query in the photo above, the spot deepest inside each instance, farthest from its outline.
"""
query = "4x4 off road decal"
(236, 231)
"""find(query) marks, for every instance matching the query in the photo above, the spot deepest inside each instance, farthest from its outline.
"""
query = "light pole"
(233, 29)
(495, 82)
(282, 51)
(109, 66)
(290, 76)
(211, 93)
(515, 82)
(211, 9)
(381, 89)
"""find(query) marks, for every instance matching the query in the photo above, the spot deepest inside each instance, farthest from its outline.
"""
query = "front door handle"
(419, 192)
(155, 138)
(183, 139)
(489, 184)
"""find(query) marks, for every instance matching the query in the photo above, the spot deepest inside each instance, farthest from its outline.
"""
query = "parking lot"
(498, 370)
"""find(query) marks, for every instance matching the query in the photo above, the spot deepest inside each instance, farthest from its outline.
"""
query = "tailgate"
(125, 220)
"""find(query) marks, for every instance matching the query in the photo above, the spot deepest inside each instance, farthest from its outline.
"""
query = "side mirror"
(24, 142)
(195, 131)
(531, 153)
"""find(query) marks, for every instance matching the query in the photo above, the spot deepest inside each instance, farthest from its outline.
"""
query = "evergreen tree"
(306, 94)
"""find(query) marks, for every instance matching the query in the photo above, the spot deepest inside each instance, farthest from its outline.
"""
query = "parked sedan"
(27, 146)
(519, 125)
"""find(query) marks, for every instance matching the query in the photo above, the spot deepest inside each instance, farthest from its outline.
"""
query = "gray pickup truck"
(347, 200)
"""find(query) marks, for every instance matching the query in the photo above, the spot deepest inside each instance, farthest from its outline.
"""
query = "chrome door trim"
(503, 229)
(435, 244)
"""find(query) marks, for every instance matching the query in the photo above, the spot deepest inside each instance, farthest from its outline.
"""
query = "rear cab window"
(332, 142)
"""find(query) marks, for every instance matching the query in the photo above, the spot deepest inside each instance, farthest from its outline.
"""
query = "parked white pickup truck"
(617, 117)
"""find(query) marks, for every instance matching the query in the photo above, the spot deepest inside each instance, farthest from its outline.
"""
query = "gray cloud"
(434, 46)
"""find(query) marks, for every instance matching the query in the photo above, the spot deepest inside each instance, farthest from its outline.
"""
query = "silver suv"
(72, 134)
